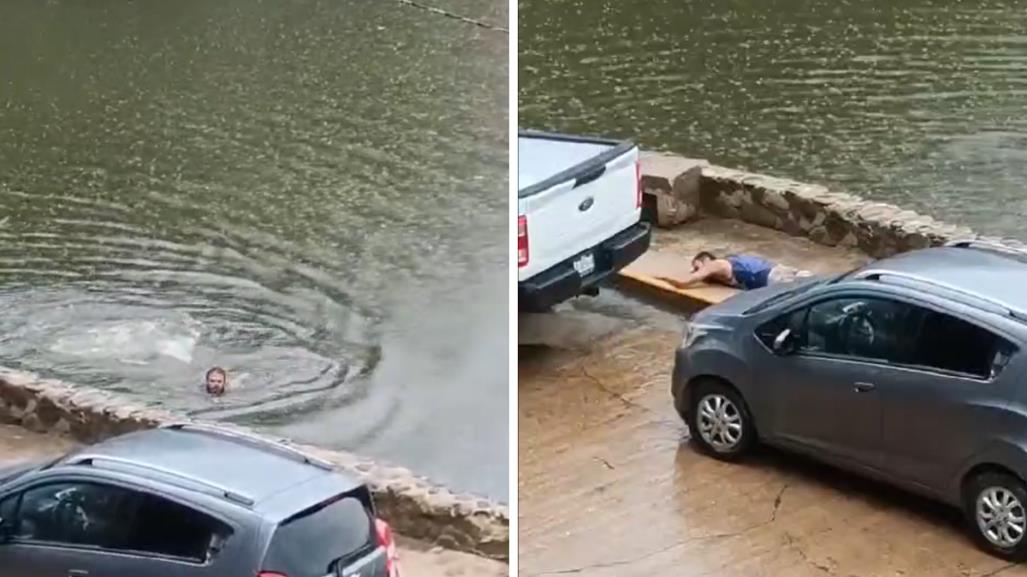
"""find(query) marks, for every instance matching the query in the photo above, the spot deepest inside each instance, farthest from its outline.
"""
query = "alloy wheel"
(719, 422)
(1001, 517)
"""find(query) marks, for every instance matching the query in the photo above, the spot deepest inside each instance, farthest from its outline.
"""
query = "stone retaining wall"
(800, 209)
(413, 506)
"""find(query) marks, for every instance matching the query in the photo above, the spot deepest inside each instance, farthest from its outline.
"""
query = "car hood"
(737, 304)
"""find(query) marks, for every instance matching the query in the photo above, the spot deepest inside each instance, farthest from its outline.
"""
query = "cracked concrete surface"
(417, 559)
(609, 486)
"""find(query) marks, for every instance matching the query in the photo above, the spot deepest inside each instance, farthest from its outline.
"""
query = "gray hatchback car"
(910, 370)
(187, 501)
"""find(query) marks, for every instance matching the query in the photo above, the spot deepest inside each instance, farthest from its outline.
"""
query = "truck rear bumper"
(561, 281)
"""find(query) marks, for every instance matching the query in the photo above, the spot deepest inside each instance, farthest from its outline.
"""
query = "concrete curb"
(413, 505)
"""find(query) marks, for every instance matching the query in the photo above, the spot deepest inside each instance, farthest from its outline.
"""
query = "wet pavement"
(417, 559)
(610, 486)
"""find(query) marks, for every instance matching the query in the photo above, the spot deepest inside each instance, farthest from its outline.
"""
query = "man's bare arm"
(690, 279)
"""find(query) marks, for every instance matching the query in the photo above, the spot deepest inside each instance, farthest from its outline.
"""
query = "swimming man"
(216, 381)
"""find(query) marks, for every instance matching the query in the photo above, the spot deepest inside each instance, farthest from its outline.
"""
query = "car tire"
(990, 496)
(719, 422)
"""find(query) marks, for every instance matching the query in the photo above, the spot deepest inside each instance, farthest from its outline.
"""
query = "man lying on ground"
(739, 271)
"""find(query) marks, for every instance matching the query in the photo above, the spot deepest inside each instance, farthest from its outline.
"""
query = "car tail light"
(386, 541)
(522, 241)
(638, 184)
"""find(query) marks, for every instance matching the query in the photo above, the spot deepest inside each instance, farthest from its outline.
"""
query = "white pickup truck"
(579, 208)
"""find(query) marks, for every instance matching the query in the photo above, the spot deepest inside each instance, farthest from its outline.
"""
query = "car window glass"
(69, 513)
(112, 517)
(951, 344)
(769, 330)
(859, 327)
(310, 544)
(182, 532)
(8, 507)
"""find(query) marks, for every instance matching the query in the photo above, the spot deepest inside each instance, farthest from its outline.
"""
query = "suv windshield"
(312, 542)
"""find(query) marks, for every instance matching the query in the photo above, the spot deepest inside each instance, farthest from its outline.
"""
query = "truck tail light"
(522, 241)
(638, 184)
(386, 541)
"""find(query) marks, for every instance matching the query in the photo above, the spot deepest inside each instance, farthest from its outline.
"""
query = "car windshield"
(795, 291)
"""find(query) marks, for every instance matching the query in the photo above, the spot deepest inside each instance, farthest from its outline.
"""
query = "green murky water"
(920, 103)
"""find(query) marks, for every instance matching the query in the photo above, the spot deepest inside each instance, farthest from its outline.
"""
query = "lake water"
(311, 193)
(919, 103)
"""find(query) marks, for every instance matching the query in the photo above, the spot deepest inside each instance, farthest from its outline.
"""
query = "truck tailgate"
(574, 193)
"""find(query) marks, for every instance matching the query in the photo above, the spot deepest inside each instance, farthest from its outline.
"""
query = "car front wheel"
(996, 507)
(719, 421)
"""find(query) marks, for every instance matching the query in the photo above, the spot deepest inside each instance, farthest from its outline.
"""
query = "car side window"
(951, 344)
(182, 531)
(859, 327)
(70, 514)
(117, 518)
(8, 509)
(769, 330)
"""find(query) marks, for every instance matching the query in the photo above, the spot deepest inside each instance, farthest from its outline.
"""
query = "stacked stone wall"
(685, 189)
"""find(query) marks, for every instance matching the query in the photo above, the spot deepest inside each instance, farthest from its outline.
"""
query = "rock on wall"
(414, 506)
(673, 182)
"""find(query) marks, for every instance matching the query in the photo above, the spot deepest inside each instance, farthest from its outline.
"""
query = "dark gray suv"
(186, 501)
(910, 369)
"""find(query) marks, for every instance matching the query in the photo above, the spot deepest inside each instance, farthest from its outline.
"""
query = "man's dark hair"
(214, 370)
(703, 255)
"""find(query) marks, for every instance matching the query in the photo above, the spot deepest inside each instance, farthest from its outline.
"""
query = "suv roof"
(245, 469)
(992, 273)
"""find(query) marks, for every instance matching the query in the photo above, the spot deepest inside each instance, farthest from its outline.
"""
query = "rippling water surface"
(311, 193)
(920, 103)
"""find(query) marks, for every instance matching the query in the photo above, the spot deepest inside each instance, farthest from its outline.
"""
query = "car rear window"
(310, 543)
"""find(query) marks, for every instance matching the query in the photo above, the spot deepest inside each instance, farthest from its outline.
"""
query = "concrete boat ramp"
(609, 484)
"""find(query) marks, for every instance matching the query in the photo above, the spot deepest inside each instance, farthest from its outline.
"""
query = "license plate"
(585, 264)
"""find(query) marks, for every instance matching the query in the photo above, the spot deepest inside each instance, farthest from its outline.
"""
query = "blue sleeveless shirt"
(750, 272)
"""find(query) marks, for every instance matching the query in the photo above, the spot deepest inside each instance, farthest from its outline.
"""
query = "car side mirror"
(784, 342)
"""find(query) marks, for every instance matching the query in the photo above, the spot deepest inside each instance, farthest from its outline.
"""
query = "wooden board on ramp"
(653, 264)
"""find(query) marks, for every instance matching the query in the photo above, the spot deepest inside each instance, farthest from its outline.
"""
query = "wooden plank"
(653, 264)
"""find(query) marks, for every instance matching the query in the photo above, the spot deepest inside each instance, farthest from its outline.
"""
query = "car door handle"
(861, 387)
(77, 573)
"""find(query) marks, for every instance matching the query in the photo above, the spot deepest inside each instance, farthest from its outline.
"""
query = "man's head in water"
(702, 258)
(216, 381)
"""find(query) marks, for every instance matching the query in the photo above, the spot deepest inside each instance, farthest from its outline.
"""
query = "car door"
(943, 400)
(825, 393)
